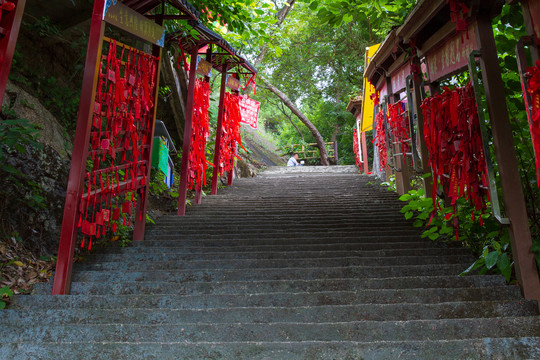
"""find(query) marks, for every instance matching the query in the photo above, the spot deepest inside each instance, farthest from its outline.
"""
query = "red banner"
(451, 56)
(249, 109)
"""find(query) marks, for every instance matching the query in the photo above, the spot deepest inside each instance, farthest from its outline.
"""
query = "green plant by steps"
(5, 293)
(391, 183)
(488, 241)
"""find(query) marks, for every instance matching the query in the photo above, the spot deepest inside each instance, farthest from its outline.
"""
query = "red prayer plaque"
(452, 55)
(249, 109)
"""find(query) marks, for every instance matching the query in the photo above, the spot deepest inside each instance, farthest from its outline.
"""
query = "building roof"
(206, 36)
(144, 6)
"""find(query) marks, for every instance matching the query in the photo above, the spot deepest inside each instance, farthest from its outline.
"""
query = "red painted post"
(514, 201)
(68, 234)
(11, 23)
(198, 192)
(182, 191)
(142, 194)
(198, 197)
(364, 153)
(217, 149)
(230, 177)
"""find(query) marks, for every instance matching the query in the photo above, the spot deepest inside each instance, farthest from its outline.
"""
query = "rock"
(28, 107)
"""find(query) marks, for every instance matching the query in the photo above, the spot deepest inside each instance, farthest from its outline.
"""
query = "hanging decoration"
(380, 140)
(123, 110)
(230, 133)
(456, 154)
(399, 124)
(199, 134)
(534, 119)
(356, 149)
(458, 13)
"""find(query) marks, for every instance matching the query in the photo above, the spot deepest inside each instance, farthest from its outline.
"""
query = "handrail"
(493, 195)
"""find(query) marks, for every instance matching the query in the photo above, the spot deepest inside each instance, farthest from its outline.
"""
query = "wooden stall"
(232, 67)
(452, 37)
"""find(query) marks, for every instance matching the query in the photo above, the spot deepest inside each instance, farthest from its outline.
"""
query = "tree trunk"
(318, 138)
(179, 92)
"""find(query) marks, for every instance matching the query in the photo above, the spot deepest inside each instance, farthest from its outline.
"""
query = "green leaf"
(314, 5)
(475, 265)
(418, 223)
(2, 305)
(434, 236)
(405, 197)
(503, 262)
(347, 18)
(409, 215)
(491, 259)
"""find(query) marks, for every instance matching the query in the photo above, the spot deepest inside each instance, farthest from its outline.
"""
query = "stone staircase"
(298, 263)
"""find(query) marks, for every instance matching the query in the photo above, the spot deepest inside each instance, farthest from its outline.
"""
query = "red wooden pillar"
(364, 153)
(142, 193)
(514, 201)
(68, 234)
(219, 132)
(230, 178)
(198, 192)
(9, 32)
(184, 168)
(403, 182)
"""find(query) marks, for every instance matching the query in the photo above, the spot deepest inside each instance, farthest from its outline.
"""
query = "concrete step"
(277, 299)
(272, 286)
(176, 264)
(285, 239)
(266, 255)
(289, 273)
(261, 315)
(199, 247)
(412, 330)
(480, 348)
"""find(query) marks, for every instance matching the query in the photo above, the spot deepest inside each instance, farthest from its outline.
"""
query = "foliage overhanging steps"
(298, 263)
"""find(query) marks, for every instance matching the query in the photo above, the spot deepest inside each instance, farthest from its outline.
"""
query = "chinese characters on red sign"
(249, 109)
(129, 20)
(453, 55)
(399, 77)
(204, 67)
(232, 83)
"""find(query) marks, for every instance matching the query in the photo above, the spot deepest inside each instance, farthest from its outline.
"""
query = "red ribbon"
(230, 133)
(534, 120)
(123, 110)
(199, 133)
(380, 140)
(356, 149)
(456, 153)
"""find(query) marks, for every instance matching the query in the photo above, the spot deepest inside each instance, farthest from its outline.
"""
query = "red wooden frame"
(10, 24)
(184, 167)
(69, 231)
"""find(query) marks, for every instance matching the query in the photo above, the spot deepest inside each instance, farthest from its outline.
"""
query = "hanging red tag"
(116, 214)
(111, 76)
(100, 220)
(127, 208)
(105, 143)
(106, 215)
(88, 228)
